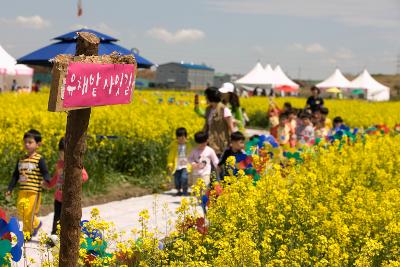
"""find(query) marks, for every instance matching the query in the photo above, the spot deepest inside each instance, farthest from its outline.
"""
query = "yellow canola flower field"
(337, 208)
(145, 118)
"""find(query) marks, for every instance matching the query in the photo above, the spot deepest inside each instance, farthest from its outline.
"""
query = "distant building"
(184, 76)
(221, 78)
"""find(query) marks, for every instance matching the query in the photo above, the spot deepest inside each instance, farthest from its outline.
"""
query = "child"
(202, 157)
(178, 163)
(337, 123)
(321, 131)
(283, 130)
(292, 123)
(316, 117)
(273, 117)
(29, 173)
(307, 134)
(58, 180)
(338, 126)
(287, 106)
(236, 148)
(324, 115)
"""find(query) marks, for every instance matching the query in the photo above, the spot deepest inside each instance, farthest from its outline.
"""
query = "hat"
(227, 88)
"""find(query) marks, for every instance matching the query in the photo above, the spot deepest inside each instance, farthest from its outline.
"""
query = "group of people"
(291, 126)
(222, 135)
(31, 175)
(220, 138)
(15, 87)
(199, 161)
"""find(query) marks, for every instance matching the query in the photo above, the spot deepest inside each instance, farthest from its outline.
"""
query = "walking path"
(124, 214)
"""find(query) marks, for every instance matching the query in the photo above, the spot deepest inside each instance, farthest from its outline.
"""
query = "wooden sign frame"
(60, 69)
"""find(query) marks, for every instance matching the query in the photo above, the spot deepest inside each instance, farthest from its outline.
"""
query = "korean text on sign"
(89, 84)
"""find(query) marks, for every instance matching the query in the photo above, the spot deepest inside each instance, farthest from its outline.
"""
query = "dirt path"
(124, 214)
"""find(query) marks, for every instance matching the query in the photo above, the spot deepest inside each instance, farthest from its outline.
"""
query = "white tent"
(10, 70)
(270, 73)
(335, 80)
(282, 79)
(257, 77)
(375, 91)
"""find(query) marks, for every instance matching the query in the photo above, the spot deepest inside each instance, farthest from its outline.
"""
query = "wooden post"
(77, 125)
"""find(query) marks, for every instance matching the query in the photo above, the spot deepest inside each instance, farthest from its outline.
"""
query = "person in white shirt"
(202, 158)
(307, 135)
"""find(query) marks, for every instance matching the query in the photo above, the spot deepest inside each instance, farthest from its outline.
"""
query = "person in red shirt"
(36, 87)
(57, 181)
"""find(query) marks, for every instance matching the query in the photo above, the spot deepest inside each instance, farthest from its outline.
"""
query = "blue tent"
(66, 45)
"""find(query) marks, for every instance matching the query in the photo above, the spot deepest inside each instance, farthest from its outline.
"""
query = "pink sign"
(89, 84)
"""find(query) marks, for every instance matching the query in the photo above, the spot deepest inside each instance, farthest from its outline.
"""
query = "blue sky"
(307, 38)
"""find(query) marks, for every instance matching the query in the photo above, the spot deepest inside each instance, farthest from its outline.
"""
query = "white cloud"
(180, 36)
(313, 48)
(379, 14)
(332, 61)
(258, 49)
(344, 53)
(103, 27)
(33, 22)
(296, 46)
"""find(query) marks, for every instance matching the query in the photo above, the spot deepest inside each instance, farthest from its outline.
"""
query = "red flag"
(80, 11)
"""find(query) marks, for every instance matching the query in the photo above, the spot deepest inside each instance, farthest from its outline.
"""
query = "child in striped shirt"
(29, 174)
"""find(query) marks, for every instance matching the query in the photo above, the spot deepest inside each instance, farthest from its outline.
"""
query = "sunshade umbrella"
(67, 44)
(286, 89)
(358, 92)
(334, 90)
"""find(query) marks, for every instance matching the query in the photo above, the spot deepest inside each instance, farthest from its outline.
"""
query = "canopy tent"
(270, 74)
(10, 70)
(66, 45)
(335, 80)
(283, 80)
(257, 77)
(375, 91)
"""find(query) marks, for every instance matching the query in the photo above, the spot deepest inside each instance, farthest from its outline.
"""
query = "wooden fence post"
(77, 125)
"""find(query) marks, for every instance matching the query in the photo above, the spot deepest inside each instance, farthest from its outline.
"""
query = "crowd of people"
(222, 136)
(292, 126)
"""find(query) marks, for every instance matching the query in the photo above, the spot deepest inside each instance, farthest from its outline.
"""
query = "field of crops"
(144, 130)
(337, 207)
